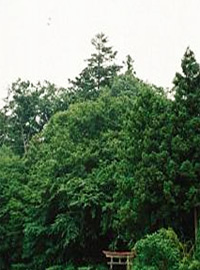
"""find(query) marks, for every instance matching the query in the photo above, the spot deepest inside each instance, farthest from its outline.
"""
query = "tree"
(145, 195)
(186, 138)
(28, 108)
(100, 71)
(12, 192)
(84, 169)
(129, 65)
(75, 163)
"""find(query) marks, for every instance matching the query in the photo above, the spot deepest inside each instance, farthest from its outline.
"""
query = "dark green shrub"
(190, 265)
(158, 251)
(69, 266)
(19, 266)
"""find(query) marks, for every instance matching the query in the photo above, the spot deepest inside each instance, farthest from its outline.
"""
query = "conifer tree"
(186, 137)
(100, 71)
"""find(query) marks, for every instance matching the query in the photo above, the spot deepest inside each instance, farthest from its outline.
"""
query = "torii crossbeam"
(120, 258)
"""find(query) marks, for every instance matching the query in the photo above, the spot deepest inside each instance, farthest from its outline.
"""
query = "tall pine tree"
(100, 71)
(186, 138)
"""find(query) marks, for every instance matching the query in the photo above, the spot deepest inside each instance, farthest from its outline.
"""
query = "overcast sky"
(49, 39)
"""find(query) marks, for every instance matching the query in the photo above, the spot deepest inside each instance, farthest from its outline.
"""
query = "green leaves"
(100, 71)
(28, 108)
(12, 206)
(160, 250)
(102, 164)
(185, 146)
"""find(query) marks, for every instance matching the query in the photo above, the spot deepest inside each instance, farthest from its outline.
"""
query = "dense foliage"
(160, 250)
(12, 207)
(103, 164)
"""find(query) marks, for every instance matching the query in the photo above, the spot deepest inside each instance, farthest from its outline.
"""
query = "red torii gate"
(120, 258)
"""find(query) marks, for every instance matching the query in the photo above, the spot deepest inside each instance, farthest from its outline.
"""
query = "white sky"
(154, 32)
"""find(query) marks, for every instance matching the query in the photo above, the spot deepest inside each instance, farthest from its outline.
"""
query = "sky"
(50, 39)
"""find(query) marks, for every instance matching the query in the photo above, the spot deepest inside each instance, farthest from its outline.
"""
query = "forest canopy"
(109, 162)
